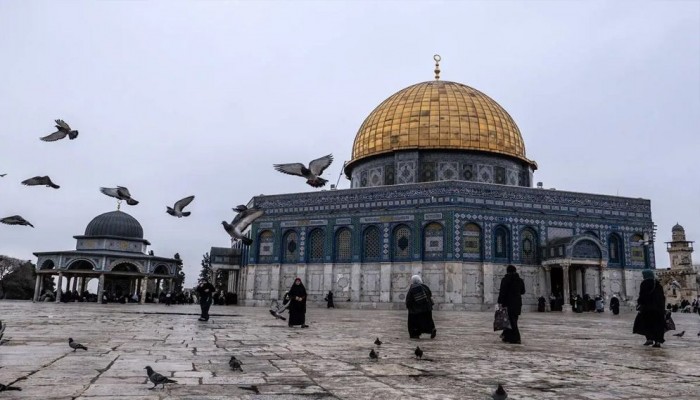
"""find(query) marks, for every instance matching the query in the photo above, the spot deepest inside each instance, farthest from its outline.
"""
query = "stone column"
(579, 277)
(37, 288)
(171, 285)
(250, 282)
(385, 283)
(75, 283)
(547, 286)
(566, 294)
(59, 287)
(604, 279)
(143, 288)
(356, 282)
(231, 288)
(100, 288)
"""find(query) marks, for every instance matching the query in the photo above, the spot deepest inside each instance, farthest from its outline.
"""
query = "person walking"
(297, 305)
(651, 318)
(615, 305)
(205, 290)
(510, 297)
(329, 300)
(419, 302)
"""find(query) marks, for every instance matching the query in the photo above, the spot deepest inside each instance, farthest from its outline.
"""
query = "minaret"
(680, 250)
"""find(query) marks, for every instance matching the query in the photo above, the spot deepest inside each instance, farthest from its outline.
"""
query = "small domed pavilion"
(112, 250)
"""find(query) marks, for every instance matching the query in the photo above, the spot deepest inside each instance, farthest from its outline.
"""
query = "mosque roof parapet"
(109, 253)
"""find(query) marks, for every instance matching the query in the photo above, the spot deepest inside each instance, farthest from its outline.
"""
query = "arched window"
(501, 244)
(316, 247)
(48, 264)
(637, 248)
(401, 249)
(528, 246)
(591, 233)
(433, 241)
(471, 241)
(615, 250)
(371, 244)
(266, 247)
(290, 247)
(343, 245)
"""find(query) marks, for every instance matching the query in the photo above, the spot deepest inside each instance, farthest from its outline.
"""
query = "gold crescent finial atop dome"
(437, 59)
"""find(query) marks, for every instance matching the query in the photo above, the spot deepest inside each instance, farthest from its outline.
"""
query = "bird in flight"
(40, 181)
(16, 220)
(312, 173)
(63, 131)
(121, 193)
(241, 222)
(176, 211)
(679, 334)
(2, 175)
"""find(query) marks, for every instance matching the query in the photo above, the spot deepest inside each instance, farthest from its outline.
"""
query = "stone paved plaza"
(563, 356)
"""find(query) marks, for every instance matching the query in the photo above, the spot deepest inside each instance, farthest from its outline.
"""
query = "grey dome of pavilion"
(116, 224)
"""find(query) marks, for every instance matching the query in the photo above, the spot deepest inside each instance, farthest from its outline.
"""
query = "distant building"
(441, 186)
(226, 259)
(113, 251)
(681, 280)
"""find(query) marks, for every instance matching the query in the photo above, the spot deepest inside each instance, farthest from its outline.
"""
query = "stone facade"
(681, 280)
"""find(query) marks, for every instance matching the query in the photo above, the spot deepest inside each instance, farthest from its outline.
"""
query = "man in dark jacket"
(509, 296)
(205, 290)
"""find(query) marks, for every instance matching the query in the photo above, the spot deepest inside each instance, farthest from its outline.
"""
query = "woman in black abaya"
(297, 306)
(419, 303)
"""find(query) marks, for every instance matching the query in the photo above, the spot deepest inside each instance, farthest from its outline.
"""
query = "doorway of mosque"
(556, 300)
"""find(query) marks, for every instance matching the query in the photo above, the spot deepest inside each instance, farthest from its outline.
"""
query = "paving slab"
(568, 356)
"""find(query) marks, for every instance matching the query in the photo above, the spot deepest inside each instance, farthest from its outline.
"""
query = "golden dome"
(439, 115)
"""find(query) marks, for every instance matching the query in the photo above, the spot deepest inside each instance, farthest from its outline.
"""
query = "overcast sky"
(180, 98)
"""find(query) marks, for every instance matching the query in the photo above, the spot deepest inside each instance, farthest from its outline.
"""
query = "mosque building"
(441, 186)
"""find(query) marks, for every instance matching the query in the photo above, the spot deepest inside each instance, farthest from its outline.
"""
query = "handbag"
(670, 325)
(501, 320)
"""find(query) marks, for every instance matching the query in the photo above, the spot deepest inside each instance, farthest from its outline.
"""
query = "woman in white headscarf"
(419, 303)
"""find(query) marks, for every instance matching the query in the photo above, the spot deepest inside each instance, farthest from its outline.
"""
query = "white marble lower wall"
(455, 285)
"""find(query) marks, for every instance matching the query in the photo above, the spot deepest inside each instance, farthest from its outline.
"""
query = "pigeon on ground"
(679, 334)
(40, 181)
(121, 193)
(8, 387)
(378, 342)
(241, 222)
(499, 394)
(16, 220)
(418, 352)
(157, 378)
(373, 355)
(63, 131)
(235, 364)
(312, 174)
(75, 345)
(176, 211)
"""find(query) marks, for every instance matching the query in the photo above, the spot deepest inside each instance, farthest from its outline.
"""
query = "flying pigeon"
(378, 342)
(675, 284)
(679, 334)
(75, 345)
(240, 208)
(157, 378)
(499, 394)
(373, 355)
(2, 175)
(235, 364)
(63, 131)
(277, 315)
(176, 211)
(418, 352)
(40, 181)
(121, 193)
(312, 174)
(241, 222)
(16, 220)
(8, 387)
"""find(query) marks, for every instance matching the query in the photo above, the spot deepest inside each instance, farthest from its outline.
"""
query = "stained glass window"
(343, 245)
(614, 249)
(636, 248)
(266, 246)
(501, 244)
(371, 244)
(471, 241)
(433, 240)
(528, 247)
(402, 242)
(291, 248)
(316, 239)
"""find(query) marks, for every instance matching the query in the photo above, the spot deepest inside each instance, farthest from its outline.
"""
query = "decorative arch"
(48, 264)
(586, 248)
(161, 270)
(266, 246)
(591, 233)
(290, 247)
(371, 244)
(472, 241)
(401, 243)
(616, 250)
(81, 264)
(316, 246)
(343, 245)
(529, 246)
(501, 243)
(125, 266)
(433, 241)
